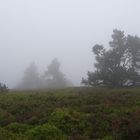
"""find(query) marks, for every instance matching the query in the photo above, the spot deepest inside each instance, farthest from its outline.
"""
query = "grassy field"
(70, 114)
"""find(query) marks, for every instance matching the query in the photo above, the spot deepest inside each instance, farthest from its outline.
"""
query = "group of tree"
(51, 78)
(117, 66)
(3, 88)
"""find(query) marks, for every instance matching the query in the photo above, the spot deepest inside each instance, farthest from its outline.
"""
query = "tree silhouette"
(3, 88)
(120, 65)
(54, 77)
(31, 78)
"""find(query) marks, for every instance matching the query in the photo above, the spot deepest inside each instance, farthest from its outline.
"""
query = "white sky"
(40, 30)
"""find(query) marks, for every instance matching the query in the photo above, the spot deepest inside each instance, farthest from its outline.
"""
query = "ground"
(71, 114)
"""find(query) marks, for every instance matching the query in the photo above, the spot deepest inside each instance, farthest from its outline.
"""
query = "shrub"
(6, 135)
(70, 122)
(45, 132)
(6, 117)
(127, 127)
(18, 128)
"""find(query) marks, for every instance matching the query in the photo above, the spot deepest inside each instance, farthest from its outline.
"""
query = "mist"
(39, 31)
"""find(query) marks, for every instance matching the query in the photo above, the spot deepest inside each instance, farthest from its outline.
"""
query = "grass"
(71, 114)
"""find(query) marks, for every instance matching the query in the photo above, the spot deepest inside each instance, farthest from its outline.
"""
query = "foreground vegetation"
(70, 114)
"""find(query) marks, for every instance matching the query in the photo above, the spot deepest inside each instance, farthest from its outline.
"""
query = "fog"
(41, 30)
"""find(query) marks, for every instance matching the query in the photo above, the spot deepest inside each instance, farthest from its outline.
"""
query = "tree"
(119, 66)
(3, 88)
(54, 77)
(31, 78)
(133, 43)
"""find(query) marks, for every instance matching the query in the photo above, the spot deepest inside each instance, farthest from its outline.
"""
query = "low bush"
(45, 132)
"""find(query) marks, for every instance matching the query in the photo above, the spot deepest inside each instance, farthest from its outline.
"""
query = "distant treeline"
(51, 78)
(118, 66)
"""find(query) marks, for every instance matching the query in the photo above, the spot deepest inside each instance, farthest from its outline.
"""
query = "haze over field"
(39, 31)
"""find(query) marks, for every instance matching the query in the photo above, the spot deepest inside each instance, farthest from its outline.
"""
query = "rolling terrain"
(70, 114)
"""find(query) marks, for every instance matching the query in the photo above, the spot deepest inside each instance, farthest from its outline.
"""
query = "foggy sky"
(40, 30)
